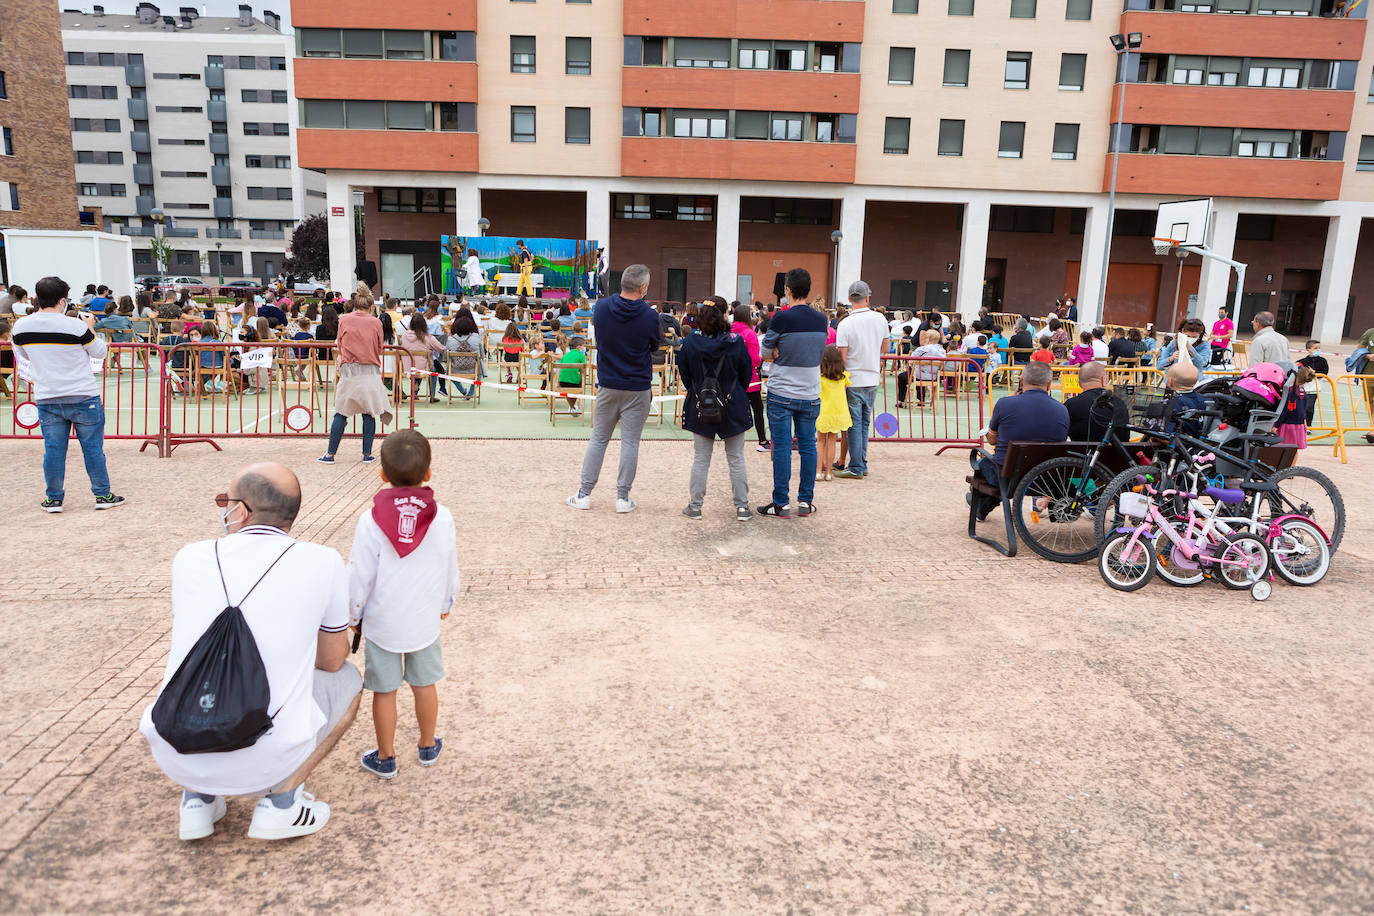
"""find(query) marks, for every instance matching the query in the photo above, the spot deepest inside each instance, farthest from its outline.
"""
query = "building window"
(321, 43)
(703, 52)
(906, 6)
(1002, 218)
(252, 162)
(4, 92)
(282, 162)
(1010, 139)
(751, 125)
(404, 44)
(1017, 74)
(785, 126)
(682, 208)
(522, 124)
(277, 63)
(1079, 9)
(699, 124)
(1065, 142)
(1266, 144)
(1215, 141)
(897, 136)
(1023, 9)
(322, 113)
(364, 43)
(76, 58)
(956, 67)
(1274, 74)
(417, 200)
(961, 7)
(901, 66)
(951, 138)
(7, 142)
(522, 54)
(578, 52)
(458, 116)
(577, 125)
(758, 55)
(1071, 70)
(792, 211)
(641, 122)
(1187, 71)
(85, 189)
(458, 46)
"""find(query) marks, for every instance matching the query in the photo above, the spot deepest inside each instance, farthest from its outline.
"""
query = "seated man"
(294, 597)
(1119, 348)
(1031, 416)
(1179, 382)
(1085, 423)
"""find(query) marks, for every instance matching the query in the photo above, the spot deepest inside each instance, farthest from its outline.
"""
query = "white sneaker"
(580, 502)
(305, 817)
(626, 505)
(198, 817)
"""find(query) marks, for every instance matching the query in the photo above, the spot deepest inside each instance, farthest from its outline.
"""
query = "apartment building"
(37, 185)
(191, 116)
(953, 153)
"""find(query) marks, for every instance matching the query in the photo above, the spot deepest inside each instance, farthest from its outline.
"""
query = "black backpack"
(711, 397)
(217, 700)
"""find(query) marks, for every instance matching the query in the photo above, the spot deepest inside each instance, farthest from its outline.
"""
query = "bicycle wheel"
(1301, 555)
(1109, 518)
(1242, 562)
(1304, 491)
(1053, 509)
(1173, 567)
(1125, 566)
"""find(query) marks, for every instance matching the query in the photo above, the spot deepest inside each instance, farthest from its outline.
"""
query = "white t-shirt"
(864, 332)
(305, 593)
(399, 599)
(1099, 348)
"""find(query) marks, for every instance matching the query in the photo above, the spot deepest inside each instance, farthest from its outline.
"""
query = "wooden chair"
(466, 365)
(532, 379)
(579, 408)
(203, 376)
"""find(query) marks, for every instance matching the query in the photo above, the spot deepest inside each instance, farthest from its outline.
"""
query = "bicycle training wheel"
(1242, 562)
(1303, 491)
(1300, 553)
(1053, 509)
(1109, 518)
(1124, 565)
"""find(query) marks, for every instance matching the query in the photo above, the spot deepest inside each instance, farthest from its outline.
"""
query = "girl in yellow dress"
(834, 416)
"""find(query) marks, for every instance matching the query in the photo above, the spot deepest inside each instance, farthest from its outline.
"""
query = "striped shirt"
(798, 335)
(55, 353)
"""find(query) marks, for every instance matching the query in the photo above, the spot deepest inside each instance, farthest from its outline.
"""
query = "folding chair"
(467, 365)
(532, 379)
(572, 407)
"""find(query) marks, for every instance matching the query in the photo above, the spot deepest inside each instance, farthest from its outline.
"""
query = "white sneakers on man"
(198, 817)
(580, 502)
(305, 817)
(626, 505)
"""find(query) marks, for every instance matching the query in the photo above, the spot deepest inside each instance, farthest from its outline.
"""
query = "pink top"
(1221, 332)
(360, 339)
(1081, 354)
(751, 343)
(417, 351)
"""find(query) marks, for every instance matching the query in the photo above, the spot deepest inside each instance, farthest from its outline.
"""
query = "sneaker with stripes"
(304, 817)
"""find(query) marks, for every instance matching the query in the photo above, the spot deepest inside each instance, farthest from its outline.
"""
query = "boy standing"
(1313, 360)
(402, 580)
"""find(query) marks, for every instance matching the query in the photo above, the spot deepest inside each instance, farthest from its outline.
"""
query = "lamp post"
(158, 216)
(835, 271)
(483, 224)
(219, 261)
(1120, 44)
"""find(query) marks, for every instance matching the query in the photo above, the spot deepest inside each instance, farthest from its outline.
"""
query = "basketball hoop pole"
(1237, 266)
(1111, 194)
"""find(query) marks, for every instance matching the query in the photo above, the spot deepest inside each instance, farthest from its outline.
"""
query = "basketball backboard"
(1185, 221)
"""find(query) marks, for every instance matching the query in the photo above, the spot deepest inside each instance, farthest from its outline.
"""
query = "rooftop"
(150, 18)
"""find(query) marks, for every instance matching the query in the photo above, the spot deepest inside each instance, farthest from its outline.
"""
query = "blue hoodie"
(627, 335)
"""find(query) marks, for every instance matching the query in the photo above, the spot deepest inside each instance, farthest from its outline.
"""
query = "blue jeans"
(58, 420)
(861, 421)
(785, 414)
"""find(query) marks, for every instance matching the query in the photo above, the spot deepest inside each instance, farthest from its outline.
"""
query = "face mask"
(224, 519)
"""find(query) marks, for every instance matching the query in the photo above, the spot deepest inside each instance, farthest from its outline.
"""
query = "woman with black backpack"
(715, 370)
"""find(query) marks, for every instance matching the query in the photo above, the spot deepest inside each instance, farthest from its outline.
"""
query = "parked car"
(185, 282)
(245, 284)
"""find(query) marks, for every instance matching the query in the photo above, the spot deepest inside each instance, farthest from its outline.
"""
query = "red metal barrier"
(944, 399)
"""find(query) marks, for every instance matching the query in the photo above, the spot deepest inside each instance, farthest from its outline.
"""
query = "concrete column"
(1342, 237)
(1215, 279)
(338, 196)
(469, 207)
(727, 244)
(851, 261)
(1090, 266)
(599, 217)
(973, 255)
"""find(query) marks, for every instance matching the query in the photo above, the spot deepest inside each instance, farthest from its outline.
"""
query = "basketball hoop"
(1165, 245)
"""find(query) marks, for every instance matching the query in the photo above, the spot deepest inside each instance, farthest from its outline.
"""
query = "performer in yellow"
(522, 254)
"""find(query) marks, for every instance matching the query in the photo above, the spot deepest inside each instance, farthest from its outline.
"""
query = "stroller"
(1247, 406)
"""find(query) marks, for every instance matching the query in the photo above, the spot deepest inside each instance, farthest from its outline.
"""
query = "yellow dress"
(834, 415)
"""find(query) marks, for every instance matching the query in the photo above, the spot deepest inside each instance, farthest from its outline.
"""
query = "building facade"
(953, 153)
(37, 183)
(192, 116)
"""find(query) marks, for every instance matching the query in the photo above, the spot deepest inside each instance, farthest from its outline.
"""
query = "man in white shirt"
(1268, 345)
(1100, 348)
(298, 613)
(862, 340)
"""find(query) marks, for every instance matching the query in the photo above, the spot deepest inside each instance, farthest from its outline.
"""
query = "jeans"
(861, 421)
(336, 431)
(783, 415)
(58, 420)
(702, 446)
(630, 409)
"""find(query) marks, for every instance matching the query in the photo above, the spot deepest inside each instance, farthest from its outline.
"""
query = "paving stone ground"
(861, 711)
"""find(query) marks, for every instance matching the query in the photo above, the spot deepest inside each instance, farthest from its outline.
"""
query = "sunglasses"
(224, 499)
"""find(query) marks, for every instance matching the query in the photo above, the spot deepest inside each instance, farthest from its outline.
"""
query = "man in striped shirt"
(54, 351)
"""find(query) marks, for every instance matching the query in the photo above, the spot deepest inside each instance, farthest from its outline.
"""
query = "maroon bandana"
(404, 514)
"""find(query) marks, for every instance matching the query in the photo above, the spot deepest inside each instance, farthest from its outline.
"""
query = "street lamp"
(483, 224)
(158, 216)
(835, 272)
(219, 261)
(1121, 44)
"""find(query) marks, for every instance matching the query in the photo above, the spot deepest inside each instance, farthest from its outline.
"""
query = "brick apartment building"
(961, 149)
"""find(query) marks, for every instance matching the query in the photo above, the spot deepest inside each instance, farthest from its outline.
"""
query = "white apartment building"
(194, 116)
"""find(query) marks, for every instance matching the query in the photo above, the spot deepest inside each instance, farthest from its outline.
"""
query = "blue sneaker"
(381, 767)
(368, 459)
(325, 459)
(430, 755)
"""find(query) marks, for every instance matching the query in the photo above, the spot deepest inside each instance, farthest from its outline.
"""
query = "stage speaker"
(779, 285)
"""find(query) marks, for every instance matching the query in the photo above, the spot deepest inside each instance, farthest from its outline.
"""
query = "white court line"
(254, 424)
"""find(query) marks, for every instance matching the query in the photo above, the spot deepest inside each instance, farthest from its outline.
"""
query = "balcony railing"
(181, 233)
(142, 231)
(266, 234)
(223, 234)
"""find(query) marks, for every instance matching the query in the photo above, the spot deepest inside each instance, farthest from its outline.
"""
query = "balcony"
(408, 151)
(1305, 37)
(749, 160)
(223, 207)
(134, 76)
(143, 204)
(138, 109)
(216, 110)
(143, 173)
(219, 176)
(741, 90)
(140, 231)
(179, 233)
(402, 80)
(266, 234)
(798, 20)
(214, 77)
(1236, 106)
(139, 141)
(456, 15)
(223, 234)
(219, 144)
(1225, 176)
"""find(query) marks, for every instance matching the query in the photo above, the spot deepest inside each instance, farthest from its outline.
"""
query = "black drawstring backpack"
(217, 700)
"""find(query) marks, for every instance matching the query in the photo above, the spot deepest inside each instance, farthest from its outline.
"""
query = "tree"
(162, 253)
(309, 257)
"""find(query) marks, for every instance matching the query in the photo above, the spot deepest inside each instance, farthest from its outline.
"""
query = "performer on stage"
(522, 254)
(476, 280)
(603, 266)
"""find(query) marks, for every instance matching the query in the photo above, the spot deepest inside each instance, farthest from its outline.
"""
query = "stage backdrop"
(564, 263)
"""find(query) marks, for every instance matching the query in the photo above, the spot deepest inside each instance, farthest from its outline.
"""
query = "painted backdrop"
(564, 263)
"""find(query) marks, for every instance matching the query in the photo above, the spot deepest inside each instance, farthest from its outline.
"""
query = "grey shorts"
(386, 670)
(334, 692)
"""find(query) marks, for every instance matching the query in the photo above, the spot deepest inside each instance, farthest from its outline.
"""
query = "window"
(323, 113)
(77, 92)
(897, 136)
(956, 67)
(756, 55)
(646, 52)
(828, 57)
(789, 55)
(107, 59)
(1365, 162)
(1223, 71)
(406, 116)
(404, 44)
(1010, 139)
(1215, 141)
(179, 109)
(1065, 142)
(793, 211)
(366, 43)
(269, 193)
(785, 126)
(701, 124)
(281, 162)
(4, 92)
(1188, 70)
(951, 138)
(1023, 9)
(1079, 9)
(85, 189)
(1255, 227)
(901, 66)
(751, 125)
(961, 7)
(664, 207)
(906, 6)
(522, 54)
(701, 52)
(825, 128)
(1265, 144)
(252, 162)
(1274, 74)
(1017, 74)
(417, 200)
(214, 60)
(1071, 70)
(641, 122)
(321, 42)
(248, 63)
(1003, 218)
(578, 54)
(1284, 8)
(522, 123)
(250, 129)
(577, 125)
(459, 116)
(76, 58)
(7, 142)
(276, 63)
(458, 46)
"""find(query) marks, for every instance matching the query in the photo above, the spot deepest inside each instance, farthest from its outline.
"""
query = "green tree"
(162, 252)
(309, 257)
